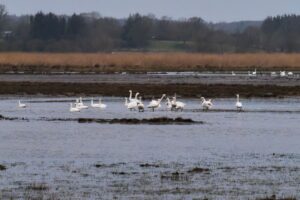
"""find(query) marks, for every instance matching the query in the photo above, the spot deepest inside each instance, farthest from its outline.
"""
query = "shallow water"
(250, 154)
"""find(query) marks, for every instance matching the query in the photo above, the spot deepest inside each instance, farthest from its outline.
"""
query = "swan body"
(102, 105)
(233, 73)
(238, 104)
(290, 74)
(175, 105)
(254, 73)
(132, 105)
(98, 105)
(155, 103)
(180, 105)
(282, 74)
(79, 104)
(21, 105)
(74, 109)
(206, 104)
(94, 105)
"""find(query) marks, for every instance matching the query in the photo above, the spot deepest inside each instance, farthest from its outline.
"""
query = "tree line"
(89, 32)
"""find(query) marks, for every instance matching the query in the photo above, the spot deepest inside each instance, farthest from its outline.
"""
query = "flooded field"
(245, 155)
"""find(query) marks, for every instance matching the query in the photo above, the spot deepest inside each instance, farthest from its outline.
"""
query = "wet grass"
(148, 90)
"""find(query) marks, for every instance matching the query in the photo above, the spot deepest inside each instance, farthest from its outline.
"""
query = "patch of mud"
(197, 170)
(3, 167)
(148, 165)
(148, 90)
(131, 121)
(12, 118)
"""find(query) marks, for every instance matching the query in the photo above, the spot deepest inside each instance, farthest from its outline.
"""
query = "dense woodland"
(90, 32)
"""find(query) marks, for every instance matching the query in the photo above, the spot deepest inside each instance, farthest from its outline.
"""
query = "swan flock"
(136, 104)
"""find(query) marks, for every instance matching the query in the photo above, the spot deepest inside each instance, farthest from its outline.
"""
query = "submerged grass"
(144, 62)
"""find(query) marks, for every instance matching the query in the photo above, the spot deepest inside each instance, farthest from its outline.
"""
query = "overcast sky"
(209, 10)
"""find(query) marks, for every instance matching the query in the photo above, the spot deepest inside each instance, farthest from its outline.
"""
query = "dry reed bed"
(142, 62)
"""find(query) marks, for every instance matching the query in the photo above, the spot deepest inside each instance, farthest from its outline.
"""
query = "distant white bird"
(290, 74)
(273, 74)
(206, 104)
(74, 109)
(155, 103)
(233, 73)
(178, 105)
(94, 105)
(254, 73)
(102, 105)
(238, 104)
(282, 73)
(21, 105)
(79, 104)
(98, 105)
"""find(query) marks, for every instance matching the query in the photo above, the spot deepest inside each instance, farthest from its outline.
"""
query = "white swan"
(94, 105)
(206, 104)
(98, 105)
(238, 104)
(102, 105)
(74, 109)
(21, 105)
(155, 103)
(180, 105)
(140, 105)
(233, 73)
(136, 98)
(177, 105)
(79, 104)
(254, 73)
(273, 74)
(170, 104)
(282, 74)
(290, 73)
(132, 105)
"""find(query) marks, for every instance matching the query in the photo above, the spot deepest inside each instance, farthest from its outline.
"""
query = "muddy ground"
(149, 85)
